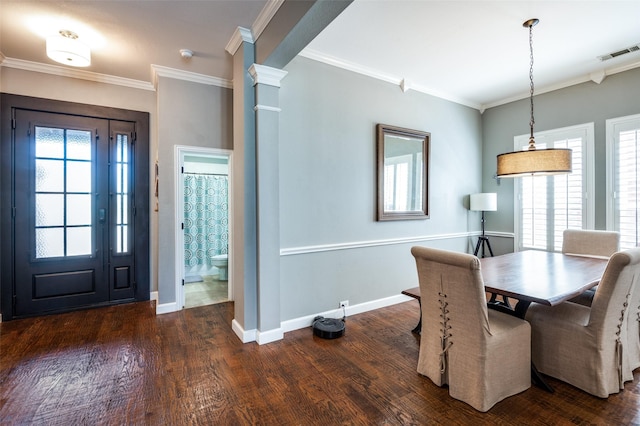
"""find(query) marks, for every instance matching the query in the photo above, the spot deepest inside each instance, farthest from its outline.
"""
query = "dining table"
(537, 276)
(549, 278)
(530, 276)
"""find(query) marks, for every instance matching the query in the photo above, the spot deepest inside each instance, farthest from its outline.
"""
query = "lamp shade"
(485, 201)
(68, 50)
(534, 162)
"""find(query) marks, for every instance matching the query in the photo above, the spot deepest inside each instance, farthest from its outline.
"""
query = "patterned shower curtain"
(206, 221)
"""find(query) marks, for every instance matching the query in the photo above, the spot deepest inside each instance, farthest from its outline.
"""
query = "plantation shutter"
(623, 138)
(547, 205)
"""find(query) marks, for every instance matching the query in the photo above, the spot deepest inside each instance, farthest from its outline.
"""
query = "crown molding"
(622, 68)
(401, 82)
(349, 66)
(75, 73)
(156, 71)
(160, 71)
(251, 35)
(596, 77)
(239, 35)
(263, 74)
(406, 85)
(265, 17)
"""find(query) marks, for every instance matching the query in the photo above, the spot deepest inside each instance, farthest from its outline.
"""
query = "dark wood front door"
(73, 212)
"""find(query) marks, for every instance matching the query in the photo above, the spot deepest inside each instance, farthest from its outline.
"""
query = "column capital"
(263, 74)
(239, 36)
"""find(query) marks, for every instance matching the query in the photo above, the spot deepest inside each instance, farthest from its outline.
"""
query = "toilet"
(221, 262)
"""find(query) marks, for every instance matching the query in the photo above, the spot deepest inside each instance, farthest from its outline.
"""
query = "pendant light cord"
(532, 145)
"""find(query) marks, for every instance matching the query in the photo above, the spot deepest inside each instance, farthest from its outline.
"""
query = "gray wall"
(327, 168)
(618, 95)
(189, 114)
(328, 185)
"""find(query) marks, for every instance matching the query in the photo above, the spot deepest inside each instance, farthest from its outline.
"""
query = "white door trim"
(179, 154)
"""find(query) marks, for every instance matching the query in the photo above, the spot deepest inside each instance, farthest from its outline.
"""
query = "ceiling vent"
(619, 53)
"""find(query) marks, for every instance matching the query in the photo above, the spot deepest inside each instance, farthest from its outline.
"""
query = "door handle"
(102, 214)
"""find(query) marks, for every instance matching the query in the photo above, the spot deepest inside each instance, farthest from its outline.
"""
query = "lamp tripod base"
(482, 242)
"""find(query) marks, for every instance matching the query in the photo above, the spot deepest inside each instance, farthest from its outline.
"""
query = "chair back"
(632, 349)
(586, 242)
(609, 309)
(454, 307)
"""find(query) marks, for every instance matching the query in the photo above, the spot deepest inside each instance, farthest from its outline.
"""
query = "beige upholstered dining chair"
(603, 244)
(591, 243)
(632, 349)
(585, 346)
(483, 355)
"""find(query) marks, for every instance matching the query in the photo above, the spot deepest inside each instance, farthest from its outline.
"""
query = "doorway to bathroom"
(203, 243)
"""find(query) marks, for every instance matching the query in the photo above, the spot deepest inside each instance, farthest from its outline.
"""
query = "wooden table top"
(538, 276)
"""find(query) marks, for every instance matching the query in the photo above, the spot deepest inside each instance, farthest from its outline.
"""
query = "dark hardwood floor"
(125, 365)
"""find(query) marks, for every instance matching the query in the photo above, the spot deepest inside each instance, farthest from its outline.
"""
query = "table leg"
(415, 293)
(521, 308)
(494, 301)
(538, 380)
(418, 327)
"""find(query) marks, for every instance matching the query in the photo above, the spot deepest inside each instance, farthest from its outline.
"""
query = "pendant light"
(533, 162)
(65, 48)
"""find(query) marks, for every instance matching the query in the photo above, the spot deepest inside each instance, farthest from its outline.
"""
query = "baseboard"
(165, 308)
(303, 322)
(243, 335)
(264, 337)
(153, 295)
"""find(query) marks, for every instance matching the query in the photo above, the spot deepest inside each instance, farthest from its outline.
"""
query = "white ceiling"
(472, 52)
(127, 37)
(477, 52)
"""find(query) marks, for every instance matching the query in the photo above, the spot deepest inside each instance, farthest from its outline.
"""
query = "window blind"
(547, 205)
(623, 138)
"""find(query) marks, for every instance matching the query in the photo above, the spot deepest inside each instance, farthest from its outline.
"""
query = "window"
(623, 167)
(397, 174)
(547, 205)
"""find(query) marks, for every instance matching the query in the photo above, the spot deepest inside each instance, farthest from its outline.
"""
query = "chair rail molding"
(292, 251)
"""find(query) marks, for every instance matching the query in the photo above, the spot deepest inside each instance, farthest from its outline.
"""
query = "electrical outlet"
(344, 304)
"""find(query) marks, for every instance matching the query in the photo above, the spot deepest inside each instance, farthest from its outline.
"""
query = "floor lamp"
(484, 202)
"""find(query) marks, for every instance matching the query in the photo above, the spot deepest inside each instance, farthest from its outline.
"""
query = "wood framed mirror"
(403, 173)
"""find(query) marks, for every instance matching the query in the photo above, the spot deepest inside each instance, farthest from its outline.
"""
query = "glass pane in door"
(63, 187)
(49, 242)
(49, 210)
(77, 146)
(49, 175)
(78, 240)
(122, 193)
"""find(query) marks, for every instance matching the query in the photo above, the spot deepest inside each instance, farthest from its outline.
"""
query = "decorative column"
(267, 87)
(244, 247)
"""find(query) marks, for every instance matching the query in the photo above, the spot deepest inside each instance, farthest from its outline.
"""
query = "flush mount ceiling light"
(533, 162)
(65, 48)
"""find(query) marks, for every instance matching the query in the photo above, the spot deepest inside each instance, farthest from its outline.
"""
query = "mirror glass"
(403, 173)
